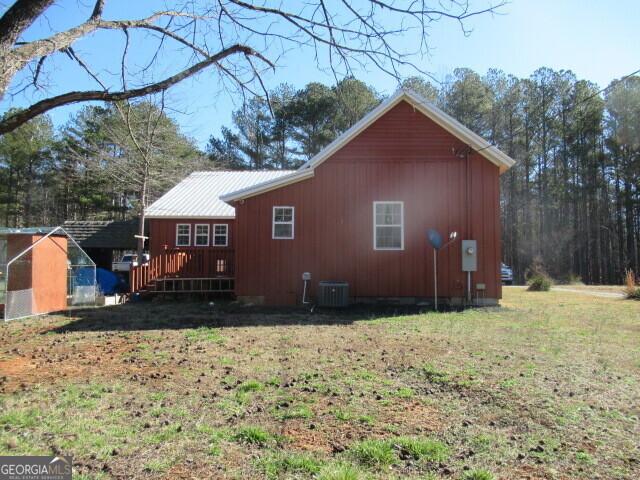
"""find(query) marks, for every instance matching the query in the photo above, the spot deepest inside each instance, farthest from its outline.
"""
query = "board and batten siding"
(403, 156)
(162, 233)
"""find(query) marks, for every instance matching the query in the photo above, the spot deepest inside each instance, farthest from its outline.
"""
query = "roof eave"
(267, 186)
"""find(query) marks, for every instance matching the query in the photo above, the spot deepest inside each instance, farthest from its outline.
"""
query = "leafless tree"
(139, 149)
(140, 164)
(239, 39)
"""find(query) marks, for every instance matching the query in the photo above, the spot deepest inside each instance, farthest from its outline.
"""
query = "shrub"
(634, 295)
(537, 277)
(539, 283)
(630, 289)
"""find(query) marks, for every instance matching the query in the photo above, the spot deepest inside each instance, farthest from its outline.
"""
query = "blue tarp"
(108, 282)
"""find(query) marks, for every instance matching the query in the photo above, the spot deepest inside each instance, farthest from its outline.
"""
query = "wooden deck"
(186, 270)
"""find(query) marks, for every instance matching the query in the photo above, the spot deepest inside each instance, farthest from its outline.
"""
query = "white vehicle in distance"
(506, 274)
(127, 261)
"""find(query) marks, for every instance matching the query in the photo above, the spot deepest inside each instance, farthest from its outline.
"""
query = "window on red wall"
(221, 235)
(202, 235)
(283, 223)
(183, 235)
(388, 225)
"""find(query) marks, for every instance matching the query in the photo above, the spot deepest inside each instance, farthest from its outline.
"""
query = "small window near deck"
(221, 235)
(283, 218)
(202, 235)
(183, 235)
(221, 266)
(388, 225)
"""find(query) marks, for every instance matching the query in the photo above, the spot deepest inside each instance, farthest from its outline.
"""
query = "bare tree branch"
(342, 36)
(19, 17)
(11, 122)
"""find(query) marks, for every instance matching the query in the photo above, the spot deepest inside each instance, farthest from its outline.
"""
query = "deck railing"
(183, 263)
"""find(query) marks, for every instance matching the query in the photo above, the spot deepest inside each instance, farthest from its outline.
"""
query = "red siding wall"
(403, 156)
(43, 269)
(162, 233)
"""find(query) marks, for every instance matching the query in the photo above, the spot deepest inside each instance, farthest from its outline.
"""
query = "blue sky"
(596, 39)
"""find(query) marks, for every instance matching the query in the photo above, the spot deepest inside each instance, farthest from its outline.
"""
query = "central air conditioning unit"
(333, 294)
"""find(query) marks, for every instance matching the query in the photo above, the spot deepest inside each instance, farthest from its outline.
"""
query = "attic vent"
(333, 294)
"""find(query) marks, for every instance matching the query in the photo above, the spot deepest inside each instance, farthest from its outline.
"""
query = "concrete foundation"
(251, 299)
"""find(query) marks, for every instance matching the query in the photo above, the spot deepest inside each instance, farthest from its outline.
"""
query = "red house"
(357, 212)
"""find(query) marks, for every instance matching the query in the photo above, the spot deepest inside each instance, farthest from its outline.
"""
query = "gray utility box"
(469, 255)
(333, 294)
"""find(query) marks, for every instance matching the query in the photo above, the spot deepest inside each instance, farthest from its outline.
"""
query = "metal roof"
(198, 195)
(26, 230)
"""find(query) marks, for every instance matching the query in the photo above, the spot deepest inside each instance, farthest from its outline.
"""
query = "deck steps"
(192, 285)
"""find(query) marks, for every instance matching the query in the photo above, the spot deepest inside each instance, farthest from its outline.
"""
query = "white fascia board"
(354, 131)
(491, 153)
(187, 217)
(453, 126)
(297, 176)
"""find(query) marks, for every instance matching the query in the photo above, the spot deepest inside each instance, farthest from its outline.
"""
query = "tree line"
(104, 164)
(291, 126)
(571, 203)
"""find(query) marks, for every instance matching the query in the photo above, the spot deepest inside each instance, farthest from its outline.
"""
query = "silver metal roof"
(198, 195)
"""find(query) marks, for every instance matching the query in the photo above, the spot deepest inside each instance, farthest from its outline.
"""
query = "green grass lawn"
(547, 386)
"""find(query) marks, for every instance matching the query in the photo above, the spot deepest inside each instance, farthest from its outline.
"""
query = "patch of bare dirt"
(54, 361)
(194, 471)
(301, 437)
(15, 372)
(529, 472)
(415, 415)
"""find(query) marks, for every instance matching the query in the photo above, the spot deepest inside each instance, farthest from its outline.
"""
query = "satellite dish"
(435, 239)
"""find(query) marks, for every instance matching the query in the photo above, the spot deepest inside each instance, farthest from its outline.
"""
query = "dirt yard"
(548, 386)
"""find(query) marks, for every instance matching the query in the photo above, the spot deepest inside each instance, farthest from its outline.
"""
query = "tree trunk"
(141, 217)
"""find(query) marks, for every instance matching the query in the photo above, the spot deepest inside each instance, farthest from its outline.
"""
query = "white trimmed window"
(202, 235)
(283, 218)
(183, 235)
(220, 235)
(388, 225)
